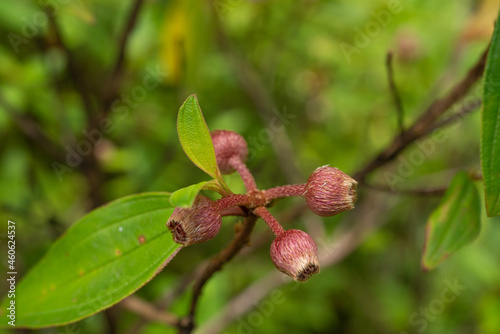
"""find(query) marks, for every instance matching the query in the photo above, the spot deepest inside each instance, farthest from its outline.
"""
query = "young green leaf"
(454, 223)
(106, 256)
(184, 197)
(490, 135)
(195, 137)
(197, 143)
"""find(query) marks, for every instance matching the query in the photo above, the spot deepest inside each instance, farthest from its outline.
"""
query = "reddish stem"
(272, 222)
(285, 191)
(234, 211)
(245, 174)
(233, 200)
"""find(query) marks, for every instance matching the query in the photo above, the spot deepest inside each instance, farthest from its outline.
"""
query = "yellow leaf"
(174, 39)
(186, 35)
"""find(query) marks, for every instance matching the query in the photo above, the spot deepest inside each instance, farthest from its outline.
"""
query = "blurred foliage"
(340, 112)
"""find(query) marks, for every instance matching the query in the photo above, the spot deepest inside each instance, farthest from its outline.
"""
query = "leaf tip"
(492, 211)
(192, 97)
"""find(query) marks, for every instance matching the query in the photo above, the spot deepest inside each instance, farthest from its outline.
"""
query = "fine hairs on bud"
(295, 253)
(197, 224)
(330, 191)
(228, 144)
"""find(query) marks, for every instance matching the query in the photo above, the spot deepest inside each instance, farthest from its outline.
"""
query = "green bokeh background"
(249, 61)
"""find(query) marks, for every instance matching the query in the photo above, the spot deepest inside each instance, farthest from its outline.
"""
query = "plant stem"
(148, 311)
(394, 92)
(234, 211)
(426, 121)
(285, 191)
(245, 174)
(272, 222)
(240, 240)
(234, 200)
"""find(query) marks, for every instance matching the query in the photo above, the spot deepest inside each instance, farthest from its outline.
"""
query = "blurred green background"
(305, 83)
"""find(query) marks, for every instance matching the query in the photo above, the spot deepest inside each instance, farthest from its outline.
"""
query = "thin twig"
(111, 316)
(426, 120)
(148, 311)
(76, 77)
(110, 90)
(32, 130)
(464, 111)
(90, 166)
(240, 240)
(164, 302)
(394, 92)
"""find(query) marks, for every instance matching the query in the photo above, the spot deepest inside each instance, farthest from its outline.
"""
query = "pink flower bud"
(228, 144)
(329, 191)
(197, 224)
(295, 253)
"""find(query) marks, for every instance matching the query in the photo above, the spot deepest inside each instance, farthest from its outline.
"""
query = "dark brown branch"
(394, 92)
(32, 131)
(111, 315)
(464, 111)
(163, 302)
(458, 115)
(76, 77)
(112, 87)
(148, 311)
(91, 167)
(240, 240)
(426, 121)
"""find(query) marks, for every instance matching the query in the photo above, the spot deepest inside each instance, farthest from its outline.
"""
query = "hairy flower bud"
(295, 253)
(196, 224)
(228, 144)
(329, 191)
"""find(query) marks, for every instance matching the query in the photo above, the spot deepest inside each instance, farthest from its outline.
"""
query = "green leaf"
(195, 137)
(490, 135)
(454, 223)
(184, 197)
(107, 255)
